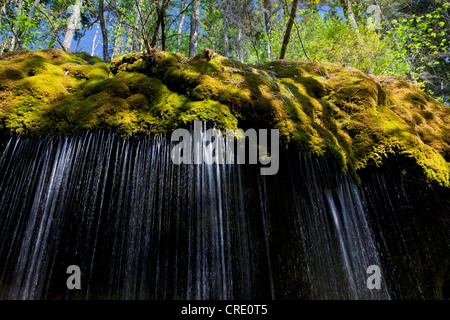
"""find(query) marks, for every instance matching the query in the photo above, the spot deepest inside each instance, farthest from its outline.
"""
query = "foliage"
(423, 39)
(374, 54)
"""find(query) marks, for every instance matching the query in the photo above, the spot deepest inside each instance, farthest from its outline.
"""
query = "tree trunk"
(132, 34)
(193, 38)
(349, 15)
(163, 32)
(3, 46)
(252, 39)
(238, 17)
(287, 35)
(226, 40)
(131, 39)
(101, 16)
(267, 16)
(118, 40)
(180, 25)
(5, 42)
(3, 8)
(388, 23)
(33, 9)
(93, 41)
(72, 24)
(239, 46)
(155, 33)
(16, 29)
(160, 23)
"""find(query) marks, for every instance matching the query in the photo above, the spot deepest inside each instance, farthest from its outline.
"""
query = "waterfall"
(330, 242)
(138, 226)
(141, 227)
(413, 227)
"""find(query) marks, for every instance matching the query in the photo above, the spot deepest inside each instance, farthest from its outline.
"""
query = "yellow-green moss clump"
(50, 91)
(321, 108)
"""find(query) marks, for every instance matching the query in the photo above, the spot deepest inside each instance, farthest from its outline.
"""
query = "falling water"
(141, 227)
(413, 227)
(137, 225)
(328, 233)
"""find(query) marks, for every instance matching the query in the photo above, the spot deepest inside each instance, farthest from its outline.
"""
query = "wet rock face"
(410, 222)
(141, 227)
(317, 107)
(4, 138)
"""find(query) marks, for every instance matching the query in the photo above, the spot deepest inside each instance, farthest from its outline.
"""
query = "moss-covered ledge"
(320, 108)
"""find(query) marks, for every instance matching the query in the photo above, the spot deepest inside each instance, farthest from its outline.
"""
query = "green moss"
(332, 151)
(114, 87)
(286, 69)
(138, 101)
(84, 72)
(211, 63)
(182, 81)
(88, 58)
(11, 73)
(209, 110)
(323, 109)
